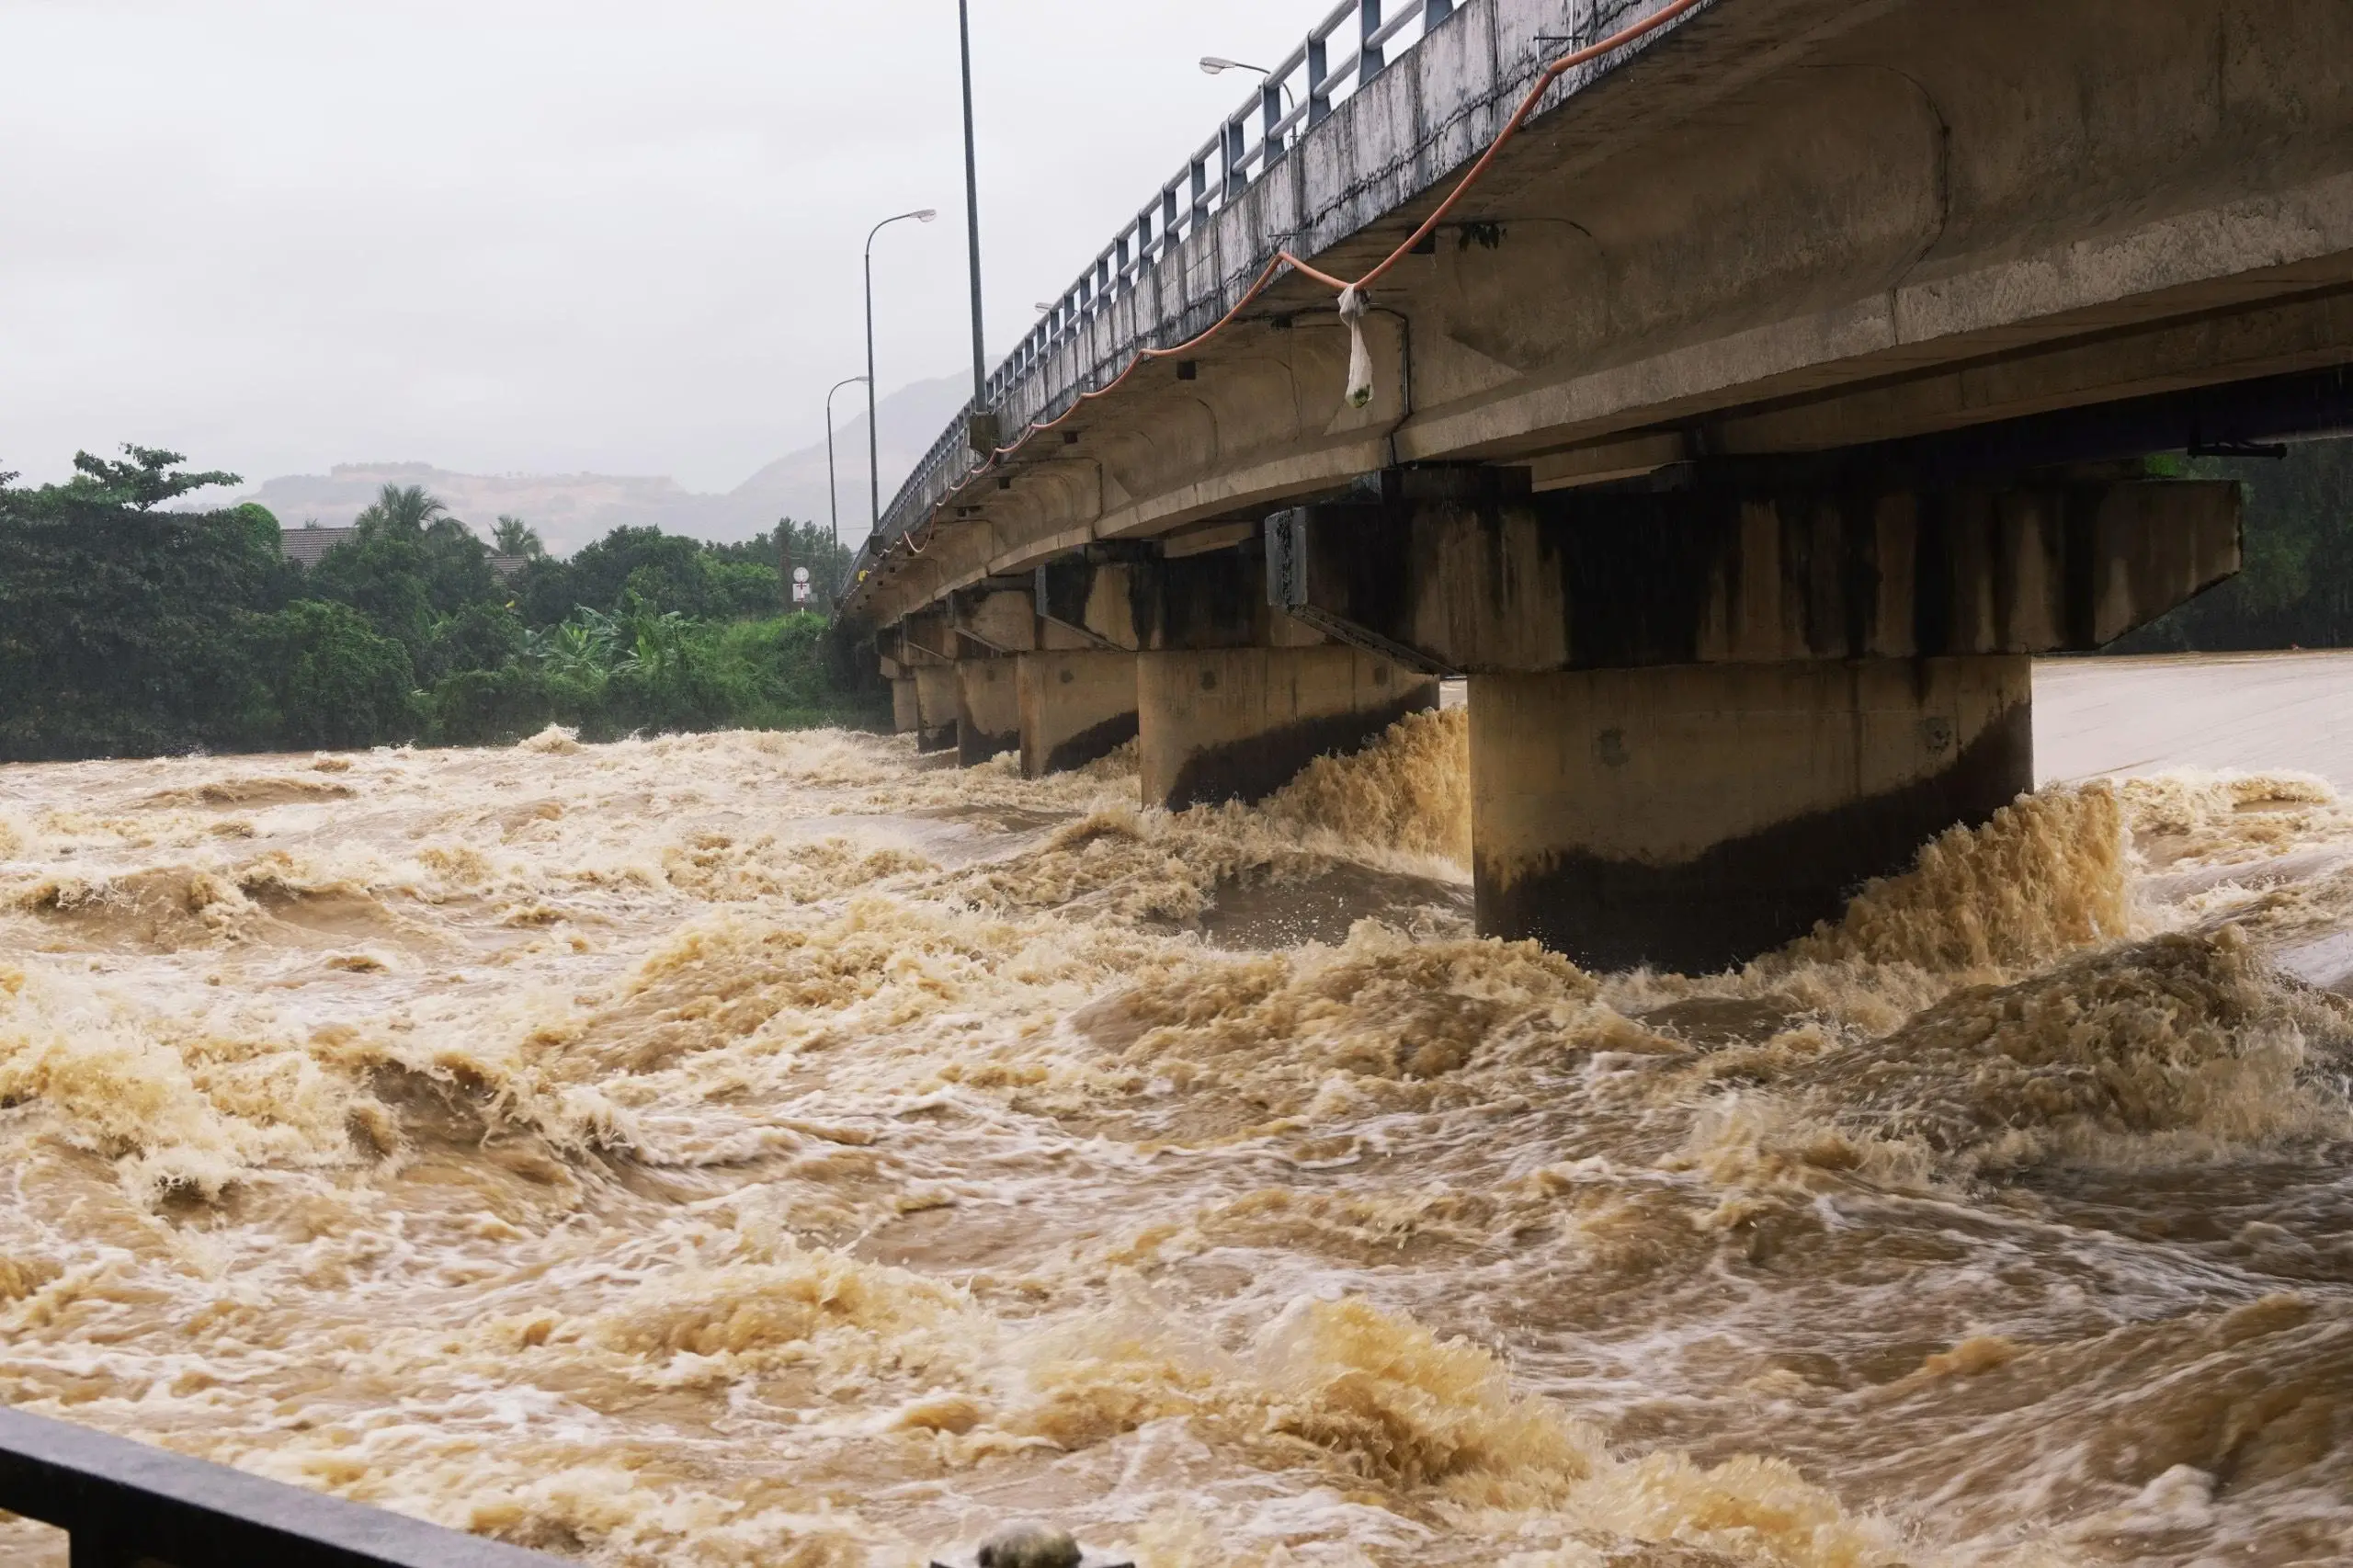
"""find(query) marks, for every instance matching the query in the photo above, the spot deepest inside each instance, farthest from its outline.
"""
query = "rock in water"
(1030, 1546)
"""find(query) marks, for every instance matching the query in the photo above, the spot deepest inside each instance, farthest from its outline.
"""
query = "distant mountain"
(909, 420)
(571, 509)
(568, 509)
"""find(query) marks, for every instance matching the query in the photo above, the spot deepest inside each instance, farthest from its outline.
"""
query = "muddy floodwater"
(771, 1148)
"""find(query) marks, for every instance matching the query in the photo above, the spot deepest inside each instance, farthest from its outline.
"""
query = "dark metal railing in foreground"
(128, 1506)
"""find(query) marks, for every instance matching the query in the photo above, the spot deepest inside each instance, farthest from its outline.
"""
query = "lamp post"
(833, 495)
(1213, 64)
(873, 447)
(981, 435)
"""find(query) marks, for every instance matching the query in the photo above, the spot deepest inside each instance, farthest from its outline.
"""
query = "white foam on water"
(764, 1149)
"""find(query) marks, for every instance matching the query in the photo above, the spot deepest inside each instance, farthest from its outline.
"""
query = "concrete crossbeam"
(1453, 570)
(994, 617)
(1141, 601)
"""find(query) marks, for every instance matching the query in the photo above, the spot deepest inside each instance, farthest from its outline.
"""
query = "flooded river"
(768, 1149)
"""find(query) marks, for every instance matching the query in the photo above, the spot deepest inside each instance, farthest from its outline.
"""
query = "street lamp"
(981, 433)
(833, 498)
(873, 447)
(1213, 64)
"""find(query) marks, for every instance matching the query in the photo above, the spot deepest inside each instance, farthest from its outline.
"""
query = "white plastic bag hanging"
(1352, 308)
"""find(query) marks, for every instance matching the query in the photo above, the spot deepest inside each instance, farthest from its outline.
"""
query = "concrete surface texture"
(1239, 724)
(1726, 571)
(1075, 707)
(988, 710)
(936, 706)
(1693, 816)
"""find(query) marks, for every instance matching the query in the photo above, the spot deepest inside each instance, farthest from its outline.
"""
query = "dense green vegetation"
(127, 629)
(2296, 588)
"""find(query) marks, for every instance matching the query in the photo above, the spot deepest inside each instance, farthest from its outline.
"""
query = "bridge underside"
(1700, 715)
(1779, 394)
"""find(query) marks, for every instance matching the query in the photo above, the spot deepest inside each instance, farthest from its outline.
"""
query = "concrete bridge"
(1781, 386)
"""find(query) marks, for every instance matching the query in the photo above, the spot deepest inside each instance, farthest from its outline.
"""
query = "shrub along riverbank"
(127, 629)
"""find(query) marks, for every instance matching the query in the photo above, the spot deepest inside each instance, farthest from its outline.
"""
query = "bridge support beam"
(1233, 695)
(1701, 717)
(1239, 724)
(988, 710)
(1075, 707)
(1693, 816)
(917, 659)
(934, 706)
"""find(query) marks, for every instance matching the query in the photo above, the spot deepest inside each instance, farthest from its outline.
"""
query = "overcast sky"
(548, 235)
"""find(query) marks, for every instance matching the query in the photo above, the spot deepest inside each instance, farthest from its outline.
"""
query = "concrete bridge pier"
(1701, 717)
(1078, 690)
(993, 624)
(988, 710)
(922, 672)
(1693, 816)
(1233, 695)
(904, 716)
(1239, 724)
(1076, 707)
(934, 708)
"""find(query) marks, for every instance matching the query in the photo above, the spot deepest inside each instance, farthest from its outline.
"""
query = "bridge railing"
(125, 1504)
(1350, 47)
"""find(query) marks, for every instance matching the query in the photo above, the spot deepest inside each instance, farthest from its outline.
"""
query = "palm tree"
(403, 508)
(513, 536)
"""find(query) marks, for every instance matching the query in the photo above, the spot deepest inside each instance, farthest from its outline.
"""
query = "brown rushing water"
(763, 1149)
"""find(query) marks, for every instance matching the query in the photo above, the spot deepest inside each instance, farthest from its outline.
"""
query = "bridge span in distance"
(1780, 381)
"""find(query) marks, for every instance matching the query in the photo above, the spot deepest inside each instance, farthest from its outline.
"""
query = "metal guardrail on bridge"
(1349, 48)
(125, 1504)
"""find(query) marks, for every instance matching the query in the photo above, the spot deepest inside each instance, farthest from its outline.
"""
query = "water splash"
(774, 1149)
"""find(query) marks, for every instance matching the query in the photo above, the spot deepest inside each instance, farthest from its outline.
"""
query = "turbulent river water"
(766, 1149)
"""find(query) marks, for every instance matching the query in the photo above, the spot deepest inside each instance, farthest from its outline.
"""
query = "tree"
(666, 571)
(130, 628)
(2295, 586)
(411, 564)
(809, 545)
(138, 485)
(478, 637)
(404, 507)
(513, 536)
(331, 679)
(118, 622)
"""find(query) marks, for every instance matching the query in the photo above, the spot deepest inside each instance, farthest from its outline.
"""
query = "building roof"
(306, 546)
